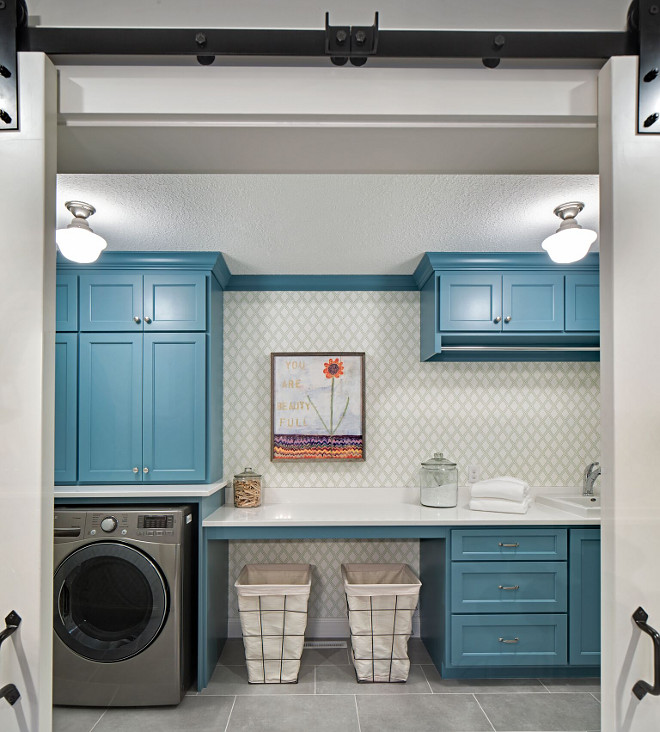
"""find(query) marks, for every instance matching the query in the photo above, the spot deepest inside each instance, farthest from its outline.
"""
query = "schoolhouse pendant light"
(570, 242)
(78, 242)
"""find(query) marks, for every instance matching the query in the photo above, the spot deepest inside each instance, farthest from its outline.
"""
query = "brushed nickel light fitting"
(570, 242)
(78, 242)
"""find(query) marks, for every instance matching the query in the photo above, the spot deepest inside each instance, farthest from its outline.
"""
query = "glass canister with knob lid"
(247, 489)
(439, 482)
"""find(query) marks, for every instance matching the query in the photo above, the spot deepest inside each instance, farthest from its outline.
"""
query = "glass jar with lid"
(247, 489)
(439, 482)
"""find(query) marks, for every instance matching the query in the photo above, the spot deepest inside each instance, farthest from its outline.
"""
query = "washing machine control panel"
(109, 524)
(163, 525)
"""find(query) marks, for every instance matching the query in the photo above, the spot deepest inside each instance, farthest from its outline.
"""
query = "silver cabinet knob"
(136, 469)
(507, 319)
(136, 318)
(497, 319)
(145, 470)
(147, 319)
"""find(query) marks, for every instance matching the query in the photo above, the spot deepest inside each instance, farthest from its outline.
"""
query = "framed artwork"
(317, 406)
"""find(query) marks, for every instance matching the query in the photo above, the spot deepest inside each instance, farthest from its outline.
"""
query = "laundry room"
(329, 341)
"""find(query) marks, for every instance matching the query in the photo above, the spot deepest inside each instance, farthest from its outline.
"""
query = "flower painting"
(317, 406)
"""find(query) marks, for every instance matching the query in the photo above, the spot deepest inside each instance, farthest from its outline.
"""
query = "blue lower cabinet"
(508, 542)
(584, 609)
(174, 408)
(66, 406)
(509, 587)
(508, 640)
(110, 408)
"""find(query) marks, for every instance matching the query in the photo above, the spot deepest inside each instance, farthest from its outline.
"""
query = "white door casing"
(27, 324)
(630, 397)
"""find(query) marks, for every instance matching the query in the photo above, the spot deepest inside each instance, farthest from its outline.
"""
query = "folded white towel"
(498, 505)
(507, 488)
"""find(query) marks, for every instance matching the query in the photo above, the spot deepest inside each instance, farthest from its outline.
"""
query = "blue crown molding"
(344, 283)
(213, 261)
(512, 261)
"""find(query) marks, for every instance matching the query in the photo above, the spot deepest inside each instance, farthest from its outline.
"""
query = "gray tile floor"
(328, 699)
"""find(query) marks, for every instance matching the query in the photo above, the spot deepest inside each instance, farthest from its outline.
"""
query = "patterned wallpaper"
(537, 421)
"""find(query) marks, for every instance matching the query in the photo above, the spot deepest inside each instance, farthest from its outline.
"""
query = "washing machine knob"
(109, 524)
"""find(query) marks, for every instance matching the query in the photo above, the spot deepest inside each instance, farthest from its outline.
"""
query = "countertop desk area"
(363, 513)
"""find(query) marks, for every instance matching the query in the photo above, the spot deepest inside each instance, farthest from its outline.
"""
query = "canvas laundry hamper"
(272, 604)
(381, 600)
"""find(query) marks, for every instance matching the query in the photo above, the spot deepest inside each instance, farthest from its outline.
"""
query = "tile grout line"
(98, 720)
(314, 680)
(544, 686)
(230, 713)
(484, 713)
(357, 713)
(426, 678)
(595, 697)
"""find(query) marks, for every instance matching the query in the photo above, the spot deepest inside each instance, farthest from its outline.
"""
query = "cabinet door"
(66, 406)
(582, 302)
(110, 411)
(66, 302)
(584, 605)
(533, 302)
(175, 302)
(470, 302)
(175, 407)
(111, 302)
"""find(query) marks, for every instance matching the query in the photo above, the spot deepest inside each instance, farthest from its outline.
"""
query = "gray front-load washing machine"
(122, 605)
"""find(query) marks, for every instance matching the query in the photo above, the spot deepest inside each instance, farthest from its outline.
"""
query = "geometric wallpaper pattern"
(536, 421)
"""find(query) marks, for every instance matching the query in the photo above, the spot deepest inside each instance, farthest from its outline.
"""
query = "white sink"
(588, 506)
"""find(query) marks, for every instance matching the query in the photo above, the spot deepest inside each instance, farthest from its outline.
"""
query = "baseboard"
(316, 628)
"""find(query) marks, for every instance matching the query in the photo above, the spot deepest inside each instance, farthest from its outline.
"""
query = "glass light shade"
(80, 244)
(569, 244)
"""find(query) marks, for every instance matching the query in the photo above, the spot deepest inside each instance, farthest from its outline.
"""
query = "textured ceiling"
(327, 224)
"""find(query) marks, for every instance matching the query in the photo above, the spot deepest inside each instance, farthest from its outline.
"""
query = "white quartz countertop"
(381, 507)
(139, 490)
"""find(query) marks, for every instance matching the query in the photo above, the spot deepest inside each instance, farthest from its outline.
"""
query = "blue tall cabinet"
(139, 370)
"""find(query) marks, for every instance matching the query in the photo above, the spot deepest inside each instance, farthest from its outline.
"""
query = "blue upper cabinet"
(110, 394)
(582, 302)
(533, 302)
(111, 302)
(174, 407)
(66, 302)
(66, 406)
(507, 306)
(470, 302)
(175, 302)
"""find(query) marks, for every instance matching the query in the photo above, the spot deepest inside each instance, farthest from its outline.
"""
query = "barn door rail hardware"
(12, 14)
(10, 693)
(339, 44)
(354, 42)
(644, 16)
(12, 621)
(642, 688)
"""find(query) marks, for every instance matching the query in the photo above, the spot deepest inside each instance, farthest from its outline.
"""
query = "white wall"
(27, 299)
(450, 14)
(629, 268)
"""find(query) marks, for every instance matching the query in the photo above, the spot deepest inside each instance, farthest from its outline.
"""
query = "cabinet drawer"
(509, 587)
(508, 640)
(508, 543)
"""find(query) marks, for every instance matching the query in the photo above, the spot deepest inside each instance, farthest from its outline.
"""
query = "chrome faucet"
(591, 472)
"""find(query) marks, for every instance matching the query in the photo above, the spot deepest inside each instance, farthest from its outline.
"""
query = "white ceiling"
(326, 224)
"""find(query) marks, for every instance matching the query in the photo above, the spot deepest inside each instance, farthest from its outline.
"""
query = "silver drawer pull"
(514, 587)
(508, 640)
(509, 545)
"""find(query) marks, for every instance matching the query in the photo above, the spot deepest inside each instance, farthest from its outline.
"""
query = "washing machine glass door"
(110, 601)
